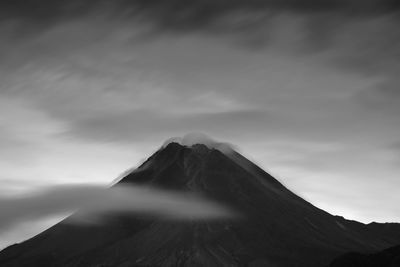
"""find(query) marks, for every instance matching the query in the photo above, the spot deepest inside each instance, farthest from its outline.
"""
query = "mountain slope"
(387, 258)
(276, 227)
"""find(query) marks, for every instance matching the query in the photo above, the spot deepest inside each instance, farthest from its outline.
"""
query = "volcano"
(275, 228)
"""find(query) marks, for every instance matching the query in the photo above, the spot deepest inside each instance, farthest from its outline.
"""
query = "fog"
(94, 201)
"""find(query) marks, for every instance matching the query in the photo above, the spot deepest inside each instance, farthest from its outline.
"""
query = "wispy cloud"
(93, 202)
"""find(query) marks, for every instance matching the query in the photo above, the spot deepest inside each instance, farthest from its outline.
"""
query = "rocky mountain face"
(275, 227)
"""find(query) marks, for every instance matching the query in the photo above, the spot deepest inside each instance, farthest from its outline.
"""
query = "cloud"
(109, 90)
(95, 201)
(369, 46)
(385, 95)
(143, 125)
(381, 103)
(193, 12)
(248, 19)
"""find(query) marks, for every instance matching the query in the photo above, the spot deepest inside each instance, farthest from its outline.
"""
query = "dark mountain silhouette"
(276, 227)
(387, 258)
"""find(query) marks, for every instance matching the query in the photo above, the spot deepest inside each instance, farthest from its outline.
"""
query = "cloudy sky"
(309, 90)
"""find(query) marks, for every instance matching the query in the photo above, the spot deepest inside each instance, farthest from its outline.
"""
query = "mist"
(97, 200)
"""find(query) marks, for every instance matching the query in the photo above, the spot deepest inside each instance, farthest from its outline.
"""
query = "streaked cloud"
(94, 202)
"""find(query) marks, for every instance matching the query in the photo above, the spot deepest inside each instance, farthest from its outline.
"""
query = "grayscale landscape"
(163, 133)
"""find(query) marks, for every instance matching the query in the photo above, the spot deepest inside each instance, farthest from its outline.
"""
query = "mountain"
(275, 228)
(387, 258)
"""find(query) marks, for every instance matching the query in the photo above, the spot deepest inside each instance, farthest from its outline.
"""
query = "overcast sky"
(308, 91)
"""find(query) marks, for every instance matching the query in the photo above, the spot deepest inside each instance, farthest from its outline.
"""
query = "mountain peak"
(199, 141)
(198, 147)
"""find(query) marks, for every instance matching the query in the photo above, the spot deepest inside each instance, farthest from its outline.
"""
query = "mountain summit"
(275, 227)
